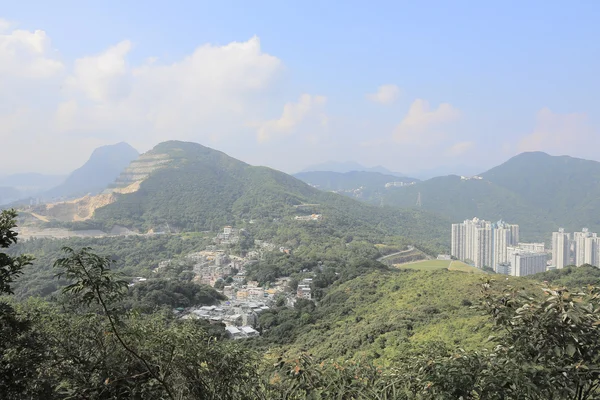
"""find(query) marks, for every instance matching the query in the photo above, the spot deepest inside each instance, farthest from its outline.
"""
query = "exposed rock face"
(139, 170)
(83, 208)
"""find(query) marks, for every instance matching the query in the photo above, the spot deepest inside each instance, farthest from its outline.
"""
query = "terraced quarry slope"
(83, 208)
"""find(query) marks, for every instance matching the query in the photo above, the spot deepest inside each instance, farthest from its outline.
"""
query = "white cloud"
(424, 126)
(459, 149)
(5, 25)
(207, 96)
(561, 134)
(25, 54)
(293, 115)
(386, 94)
(103, 77)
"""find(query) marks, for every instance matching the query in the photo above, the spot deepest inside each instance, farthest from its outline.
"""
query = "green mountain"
(103, 167)
(566, 189)
(535, 190)
(183, 186)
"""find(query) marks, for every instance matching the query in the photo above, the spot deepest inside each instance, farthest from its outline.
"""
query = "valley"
(282, 268)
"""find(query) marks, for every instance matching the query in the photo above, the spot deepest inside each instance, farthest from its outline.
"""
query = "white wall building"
(583, 247)
(483, 242)
(525, 263)
(561, 249)
(533, 247)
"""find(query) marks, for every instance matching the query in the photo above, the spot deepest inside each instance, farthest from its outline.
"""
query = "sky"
(406, 85)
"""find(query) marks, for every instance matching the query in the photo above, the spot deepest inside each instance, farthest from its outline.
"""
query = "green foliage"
(546, 348)
(378, 314)
(20, 348)
(202, 189)
(149, 295)
(571, 276)
(156, 368)
(93, 280)
(10, 267)
(134, 256)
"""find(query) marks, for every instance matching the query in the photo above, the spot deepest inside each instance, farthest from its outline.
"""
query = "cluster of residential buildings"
(228, 236)
(577, 248)
(240, 318)
(304, 291)
(246, 299)
(496, 245)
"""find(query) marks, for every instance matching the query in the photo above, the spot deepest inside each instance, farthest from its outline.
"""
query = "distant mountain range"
(191, 187)
(348, 166)
(362, 185)
(446, 170)
(17, 186)
(535, 190)
(423, 174)
(180, 186)
(103, 167)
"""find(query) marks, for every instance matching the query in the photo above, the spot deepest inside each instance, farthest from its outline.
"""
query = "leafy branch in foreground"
(95, 282)
(10, 267)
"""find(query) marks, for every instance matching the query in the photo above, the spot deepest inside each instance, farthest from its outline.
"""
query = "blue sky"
(408, 86)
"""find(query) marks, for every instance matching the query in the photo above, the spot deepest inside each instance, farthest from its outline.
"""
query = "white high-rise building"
(584, 248)
(533, 247)
(592, 251)
(561, 249)
(482, 242)
(458, 241)
(525, 263)
(514, 234)
(483, 249)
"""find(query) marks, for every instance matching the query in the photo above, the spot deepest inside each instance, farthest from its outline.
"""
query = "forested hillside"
(535, 190)
(202, 189)
(374, 333)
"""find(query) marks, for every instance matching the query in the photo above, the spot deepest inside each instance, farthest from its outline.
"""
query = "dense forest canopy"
(385, 327)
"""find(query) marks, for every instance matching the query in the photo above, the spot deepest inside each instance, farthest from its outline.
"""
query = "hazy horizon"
(409, 87)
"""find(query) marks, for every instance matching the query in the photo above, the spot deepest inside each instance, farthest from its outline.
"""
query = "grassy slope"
(571, 277)
(440, 264)
(381, 315)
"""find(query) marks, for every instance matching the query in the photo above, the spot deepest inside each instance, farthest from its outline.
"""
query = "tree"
(94, 282)
(547, 348)
(21, 349)
(10, 267)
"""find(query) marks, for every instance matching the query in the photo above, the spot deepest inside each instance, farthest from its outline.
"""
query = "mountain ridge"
(348, 166)
(536, 190)
(183, 186)
(101, 169)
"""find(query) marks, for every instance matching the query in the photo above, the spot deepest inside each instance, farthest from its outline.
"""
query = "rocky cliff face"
(83, 208)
